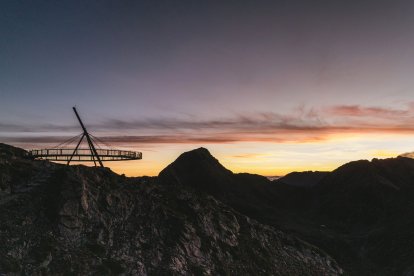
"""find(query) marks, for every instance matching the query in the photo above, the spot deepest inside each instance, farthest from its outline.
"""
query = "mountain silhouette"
(359, 213)
(197, 217)
(199, 170)
(368, 206)
(58, 220)
(302, 179)
(363, 191)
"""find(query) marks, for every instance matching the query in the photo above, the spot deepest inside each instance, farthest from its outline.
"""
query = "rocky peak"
(197, 169)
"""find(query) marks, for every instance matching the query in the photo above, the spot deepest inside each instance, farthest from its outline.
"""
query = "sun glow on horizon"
(275, 159)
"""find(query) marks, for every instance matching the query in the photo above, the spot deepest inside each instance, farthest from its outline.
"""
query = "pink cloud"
(361, 111)
(300, 126)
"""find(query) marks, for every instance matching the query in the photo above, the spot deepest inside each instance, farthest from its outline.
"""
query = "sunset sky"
(268, 87)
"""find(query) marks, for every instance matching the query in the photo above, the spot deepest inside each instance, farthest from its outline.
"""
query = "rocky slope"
(360, 213)
(77, 220)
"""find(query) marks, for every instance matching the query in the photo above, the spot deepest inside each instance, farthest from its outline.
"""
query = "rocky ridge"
(78, 220)
(360, 213)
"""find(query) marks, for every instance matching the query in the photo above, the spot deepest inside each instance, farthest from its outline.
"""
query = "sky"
(269, 87)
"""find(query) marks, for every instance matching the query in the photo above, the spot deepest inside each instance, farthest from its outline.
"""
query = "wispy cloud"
(248, 155)
(22, 128)
(301, 125)
(361, 111)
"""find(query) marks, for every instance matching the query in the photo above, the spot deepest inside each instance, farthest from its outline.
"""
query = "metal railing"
(84, 154)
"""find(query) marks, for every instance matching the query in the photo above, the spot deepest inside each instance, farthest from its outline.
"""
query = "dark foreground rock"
(77, 220)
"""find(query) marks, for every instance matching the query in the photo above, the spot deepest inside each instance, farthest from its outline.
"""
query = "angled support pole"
(88, 138)
(93, 155)
(77, 146)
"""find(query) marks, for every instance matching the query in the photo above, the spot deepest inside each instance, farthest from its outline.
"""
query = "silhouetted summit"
(197, 169)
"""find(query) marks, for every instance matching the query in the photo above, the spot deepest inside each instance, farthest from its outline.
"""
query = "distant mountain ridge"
(407, 154)
(351, 212)
(302, 179)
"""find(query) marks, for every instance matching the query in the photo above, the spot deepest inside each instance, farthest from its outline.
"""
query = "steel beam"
(85, 132)
(77, 146)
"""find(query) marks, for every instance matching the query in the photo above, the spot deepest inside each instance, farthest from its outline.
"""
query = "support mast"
(88, 139)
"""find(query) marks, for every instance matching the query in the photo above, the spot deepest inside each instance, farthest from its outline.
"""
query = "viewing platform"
(93, 153)
(83, 155)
